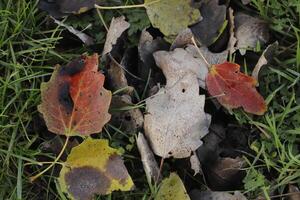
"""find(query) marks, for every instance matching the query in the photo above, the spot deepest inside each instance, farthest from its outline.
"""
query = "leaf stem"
(53, 163)
(200, 53)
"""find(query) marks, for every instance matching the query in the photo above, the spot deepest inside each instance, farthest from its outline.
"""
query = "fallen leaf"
(210, 57)
(129, 120)
(232, 39)
(74, 101)
(234, 89)
(245, 2)
(117, 27)
(249, 32)
(175, 119)
(181, 61)
(266, 56)
(214, 17)
(94, 168)
(146, 47)
(82, 36)
(61, 8)
(172, 188)
(296, 192)
(208, 195)
(117, 78)
(149, 163)
(171, 16)
(182, 39)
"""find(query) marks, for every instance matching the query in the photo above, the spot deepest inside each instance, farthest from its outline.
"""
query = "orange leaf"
(74, 101)
(234, 89)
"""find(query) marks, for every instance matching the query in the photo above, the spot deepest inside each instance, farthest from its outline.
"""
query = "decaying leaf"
(129, 120)
(82, 36)
(94, 168)
(232, 39)
(117, 27)
(266, 56)
(195, 164)
(172, 188)
(183, 38)
(74, 101)
(250, 32)
(208, 195)
(245, 2)
(171, 16)
(117, 78)
(175, 119)
(147, 46)
(234, 89)
(226, 168)
(61, 8)
(150, 165)
(295, 192)
(214, 17)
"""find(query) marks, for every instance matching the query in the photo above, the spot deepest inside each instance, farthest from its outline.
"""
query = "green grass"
(28, 52)
(26, 48)
(277, 160)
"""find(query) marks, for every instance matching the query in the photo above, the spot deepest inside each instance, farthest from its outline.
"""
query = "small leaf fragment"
(93, 168)
(171, 16)
(149, 163)
(234, 89)
(172, 188)
(266, 56)
(117, 27)
(74, 101)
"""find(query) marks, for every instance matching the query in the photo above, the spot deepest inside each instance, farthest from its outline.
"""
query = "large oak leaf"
(74, 101)
(234, 89)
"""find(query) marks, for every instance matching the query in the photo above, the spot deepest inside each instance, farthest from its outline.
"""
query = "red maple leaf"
(234, 89)
(74, 101)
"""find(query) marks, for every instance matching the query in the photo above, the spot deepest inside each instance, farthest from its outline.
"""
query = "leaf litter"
(175, 121)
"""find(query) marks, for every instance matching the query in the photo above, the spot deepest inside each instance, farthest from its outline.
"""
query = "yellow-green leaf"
(172, 188)
(94, 168)
(171, 16)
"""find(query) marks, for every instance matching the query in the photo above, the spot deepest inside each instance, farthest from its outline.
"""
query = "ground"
(30, 45)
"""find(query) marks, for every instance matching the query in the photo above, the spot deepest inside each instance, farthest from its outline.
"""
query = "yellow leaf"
(94, 168)
(171, 16)
(172, 188)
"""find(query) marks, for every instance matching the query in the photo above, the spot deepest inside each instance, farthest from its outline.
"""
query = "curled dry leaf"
(150, 165)
(175, 119)
(234, 89)
(94, 168)
(266, 56)
(171, 16)
(249, 32)
(172, 188)
(214, 17)
(74, 101)
(117, 27)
